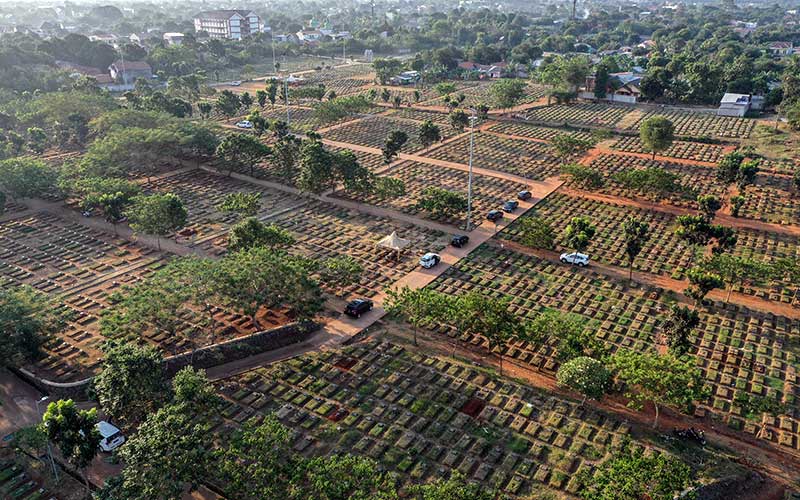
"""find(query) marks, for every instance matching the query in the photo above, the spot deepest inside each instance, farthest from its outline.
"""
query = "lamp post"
(472, 120)
(49, 449)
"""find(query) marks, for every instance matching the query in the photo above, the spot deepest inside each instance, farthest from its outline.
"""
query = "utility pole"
(286, 97)
(274, 66)
(472, 120)
(344, 50)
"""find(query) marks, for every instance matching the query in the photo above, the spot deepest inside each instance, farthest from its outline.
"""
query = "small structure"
(173, 38)
(393, 242)
(127, 72)
(406, 78)
(780, 49)
(734, 104)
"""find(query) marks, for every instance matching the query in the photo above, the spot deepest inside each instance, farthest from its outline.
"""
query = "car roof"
(105, 429)
(429, 255)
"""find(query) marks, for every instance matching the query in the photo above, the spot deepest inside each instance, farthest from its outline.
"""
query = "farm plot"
(772, 199)
(420, 415)
(664, 254)
(516, 156)
(374, 130)
(596, 115)
(487, 192)
(201, 193)
(536, 132)
(738, 350)
(693, 179)
(686, 150)
(696, 124)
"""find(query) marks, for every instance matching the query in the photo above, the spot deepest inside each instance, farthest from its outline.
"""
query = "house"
(405, 78)
(103, 80)
(173, 38)
(483, 70)
(104, 37)
(735, 104)
(309, 36)
(127, 72)
(284, 38)
(232, 24)
(621, 87)
(780, 49)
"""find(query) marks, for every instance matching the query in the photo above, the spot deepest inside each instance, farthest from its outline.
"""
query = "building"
(173, 38)
(309, 36)
(621, 87)
(780, 49)
(734, 104)
(233, 24)
(405, 78)
(127, 72)
(482, 71)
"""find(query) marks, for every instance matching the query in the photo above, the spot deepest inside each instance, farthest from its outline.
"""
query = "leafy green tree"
(132, 383)
(747, 173)
(583, 175)
(728, 166)
(272, 92)
(395, 141)
(27, 319)
(228, 103)
(339, 271)
(385, 95)
(385, 69)
(242, 204)
(678, 326)
(700, 283)
(440, 202)
(637, 233)
(388, 187)
(205, 109)
(157, 214)
(418, 306)
(342, 477)
(662, 380)
(73, 431)
(601, 79)
(428, 134)
(579, 233)
(192, 389)
(633, 473)
(736, 269)
(261, 98)
(251, 233)
(536, 232)
(459, 120)
(585, 375)
(506, 93)
(455, 487)
(342, 107)
(316, 169)
(567, 145)
(569, 331)
(238, 151)
(37, 139)
(285, 154)
(737, 202)
(654, 181)
(708, 205)
(656, 134)
(26, 177)
(444, 88)
(490, 317)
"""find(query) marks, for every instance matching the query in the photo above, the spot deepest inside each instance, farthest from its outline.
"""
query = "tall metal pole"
(286, 97)
(472, 120)
(344, 50)
(49, 449)
(274, 66)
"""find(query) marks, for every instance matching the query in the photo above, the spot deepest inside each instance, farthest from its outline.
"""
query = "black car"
(524, 195)
(459, 240)
(494, 215)
(510, 205)
(357, 307)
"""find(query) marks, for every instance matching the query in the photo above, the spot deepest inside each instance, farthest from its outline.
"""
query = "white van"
(112, 437)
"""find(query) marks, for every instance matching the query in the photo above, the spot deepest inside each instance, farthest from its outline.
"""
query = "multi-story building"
(233, 24)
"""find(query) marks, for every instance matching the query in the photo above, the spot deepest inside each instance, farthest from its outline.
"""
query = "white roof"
(738, 99)
(105, 429)
(393, 241)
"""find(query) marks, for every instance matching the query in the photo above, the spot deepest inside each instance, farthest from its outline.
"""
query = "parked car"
(494, 215)
(355, 308)
(429, 260)
(236, 83)
(524, 195)
(244, 124)
(578, 259)
(111, 437)
(459, 240)
(510, 206)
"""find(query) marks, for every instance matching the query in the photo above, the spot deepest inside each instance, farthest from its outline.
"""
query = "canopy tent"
(393, 242)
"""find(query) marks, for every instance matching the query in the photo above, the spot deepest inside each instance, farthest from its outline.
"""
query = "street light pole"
(49, 449)
(472, 120)
(286, 97)
(274, 66)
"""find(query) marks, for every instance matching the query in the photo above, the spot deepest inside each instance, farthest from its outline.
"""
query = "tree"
(132, 383)
(536, 232)
(459, 120)
(395, 141)
(701, 282)
(441, 202)
(656, 134)
(251, 232)
(342, 477)
(572, 337)
(455, 487)
(583, 175)
(579, 233)
(157, 214)
(506, 93)
(385, 95)
(428, 134)
(585, 375)
(736, 269)
(388, 187)
(649, 181)
(747, 173)
(37, 139)
(601, 80)
(662, 380)
(708, 205)
(339, 271)
(73, 431)
(228, 103)
(238, 151)
(490, 317)
(637, 233)
(316, 169)
(634, 473)
(261, 97)
(272, 92)
(285, 153)
(678, 326)
(26, 177)
(737, 202)
(205, 109)
(418, 306)
(385, 69)
(567, 146)
(728, 166)
(694, 230)
(242, 204)
(27, 319)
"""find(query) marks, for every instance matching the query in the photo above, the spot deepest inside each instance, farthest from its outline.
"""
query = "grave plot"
(686, 150)
(420, 415)
(515, 156)
(664, 254)
(481, 94)
(520, 129)
(341, 86)
(374, 130)
(596, 115)
(738, 350)
(359, 71)
(488, 192)
(763, 245)
(772, 199)
(419, 115)
(696, 124)
(201, 193)
(693, 179)
(323, 230)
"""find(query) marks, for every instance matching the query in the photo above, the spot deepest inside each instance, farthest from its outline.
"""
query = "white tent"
(393, 242)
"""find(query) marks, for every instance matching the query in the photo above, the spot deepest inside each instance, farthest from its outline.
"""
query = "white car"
(112, 437)
(429, 260)
(244, 124)
(236, 83)
(579, 259)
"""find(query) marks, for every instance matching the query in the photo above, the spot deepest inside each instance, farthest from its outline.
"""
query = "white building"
(734, 104)
(173, 38)
(233, 24)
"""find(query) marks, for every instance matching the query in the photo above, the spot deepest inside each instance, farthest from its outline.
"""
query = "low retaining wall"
(204, 357)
